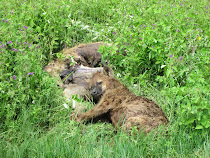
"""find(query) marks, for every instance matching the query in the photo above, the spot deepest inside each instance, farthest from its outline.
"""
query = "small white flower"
(85, 27)
(20, 79)
(135, 85)
(33, 102)
(162, 66)
(66, 106)
(155, 40)
(95, 37)
(73, 103)
(118, 75)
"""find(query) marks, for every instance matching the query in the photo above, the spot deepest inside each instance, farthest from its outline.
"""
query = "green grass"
(167, 60)
(67, 139)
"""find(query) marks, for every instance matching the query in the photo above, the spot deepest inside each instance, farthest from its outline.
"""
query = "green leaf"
(190, 121)
(168, 72)
(199, 127)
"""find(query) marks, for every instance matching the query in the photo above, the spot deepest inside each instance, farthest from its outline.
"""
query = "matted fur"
(83, 54)
(122, 107)
(85, 58)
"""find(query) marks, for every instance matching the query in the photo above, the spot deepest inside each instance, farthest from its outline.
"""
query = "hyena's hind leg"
(145, 123)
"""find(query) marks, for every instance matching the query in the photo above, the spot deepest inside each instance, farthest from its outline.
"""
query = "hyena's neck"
(121, 90)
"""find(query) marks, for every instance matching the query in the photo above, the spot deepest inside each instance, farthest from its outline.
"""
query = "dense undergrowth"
(160, 49)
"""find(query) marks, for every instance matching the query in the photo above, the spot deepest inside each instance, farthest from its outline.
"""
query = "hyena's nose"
(94, 92)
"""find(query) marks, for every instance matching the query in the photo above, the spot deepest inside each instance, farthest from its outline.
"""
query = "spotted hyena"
(78, 65)
(119, 106)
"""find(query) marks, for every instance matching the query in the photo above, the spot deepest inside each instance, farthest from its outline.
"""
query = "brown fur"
(85, 54)
(54, 68)
(122, 107)
(80, 56)
(83, 74)
(75, 89)
(80, 81)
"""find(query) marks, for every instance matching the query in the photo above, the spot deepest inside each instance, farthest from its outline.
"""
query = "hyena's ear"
(108, 71)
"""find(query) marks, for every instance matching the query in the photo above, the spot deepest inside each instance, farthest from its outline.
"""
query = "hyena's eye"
(99, 83)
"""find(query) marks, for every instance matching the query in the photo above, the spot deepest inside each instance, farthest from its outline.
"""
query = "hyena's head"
(101, 82)
(66, 76)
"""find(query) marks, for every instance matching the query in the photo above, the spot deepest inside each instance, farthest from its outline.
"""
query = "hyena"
(120, 106)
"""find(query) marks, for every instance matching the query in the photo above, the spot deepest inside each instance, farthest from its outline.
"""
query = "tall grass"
(160, 50)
